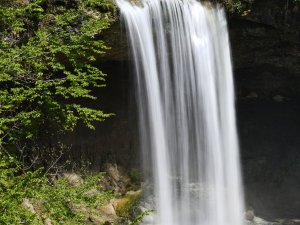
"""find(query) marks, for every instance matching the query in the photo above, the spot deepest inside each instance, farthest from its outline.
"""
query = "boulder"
(73, 178)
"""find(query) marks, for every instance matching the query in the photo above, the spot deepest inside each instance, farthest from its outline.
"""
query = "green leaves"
(47, 56)
(28, 197)
(238, 7)
(47, 70)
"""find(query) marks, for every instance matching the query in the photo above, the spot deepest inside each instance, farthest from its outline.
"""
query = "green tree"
(48, 50)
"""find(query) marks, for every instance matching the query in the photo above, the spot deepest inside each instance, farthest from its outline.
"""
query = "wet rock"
(124, 206)
(260, 221)
(249, 215)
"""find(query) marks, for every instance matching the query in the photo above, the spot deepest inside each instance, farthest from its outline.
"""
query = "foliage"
(48, 50)
(238, 6)
(56, 201)
(139, 218)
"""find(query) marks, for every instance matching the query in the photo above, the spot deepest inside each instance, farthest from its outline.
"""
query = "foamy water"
(185, 96)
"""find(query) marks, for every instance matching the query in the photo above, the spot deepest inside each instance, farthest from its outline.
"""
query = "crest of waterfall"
(185, 93)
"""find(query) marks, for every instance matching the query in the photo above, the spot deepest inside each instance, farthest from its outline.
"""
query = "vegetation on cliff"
(47, 54)
(30, 198)
(243, 7)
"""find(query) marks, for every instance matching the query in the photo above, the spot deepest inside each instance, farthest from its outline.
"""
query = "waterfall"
(185, 94)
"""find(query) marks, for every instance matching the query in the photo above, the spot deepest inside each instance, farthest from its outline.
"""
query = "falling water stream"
(185, 93)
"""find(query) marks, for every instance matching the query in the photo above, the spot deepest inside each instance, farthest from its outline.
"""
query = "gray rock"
(73, 178)
(249, 215)
(278, 98)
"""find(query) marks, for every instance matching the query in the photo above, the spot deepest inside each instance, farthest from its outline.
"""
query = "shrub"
(30, 198)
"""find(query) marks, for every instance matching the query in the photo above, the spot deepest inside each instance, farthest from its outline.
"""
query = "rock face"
(266, 57)
(266, 49)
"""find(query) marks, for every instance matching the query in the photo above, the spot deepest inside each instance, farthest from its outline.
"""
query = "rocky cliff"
(266, 56)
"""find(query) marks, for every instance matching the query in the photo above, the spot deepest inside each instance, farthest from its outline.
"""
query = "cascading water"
(186, 110)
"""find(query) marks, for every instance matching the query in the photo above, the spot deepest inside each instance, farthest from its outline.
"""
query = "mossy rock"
(126, 205)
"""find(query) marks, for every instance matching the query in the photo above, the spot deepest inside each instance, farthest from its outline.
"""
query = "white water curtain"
(185, 96)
